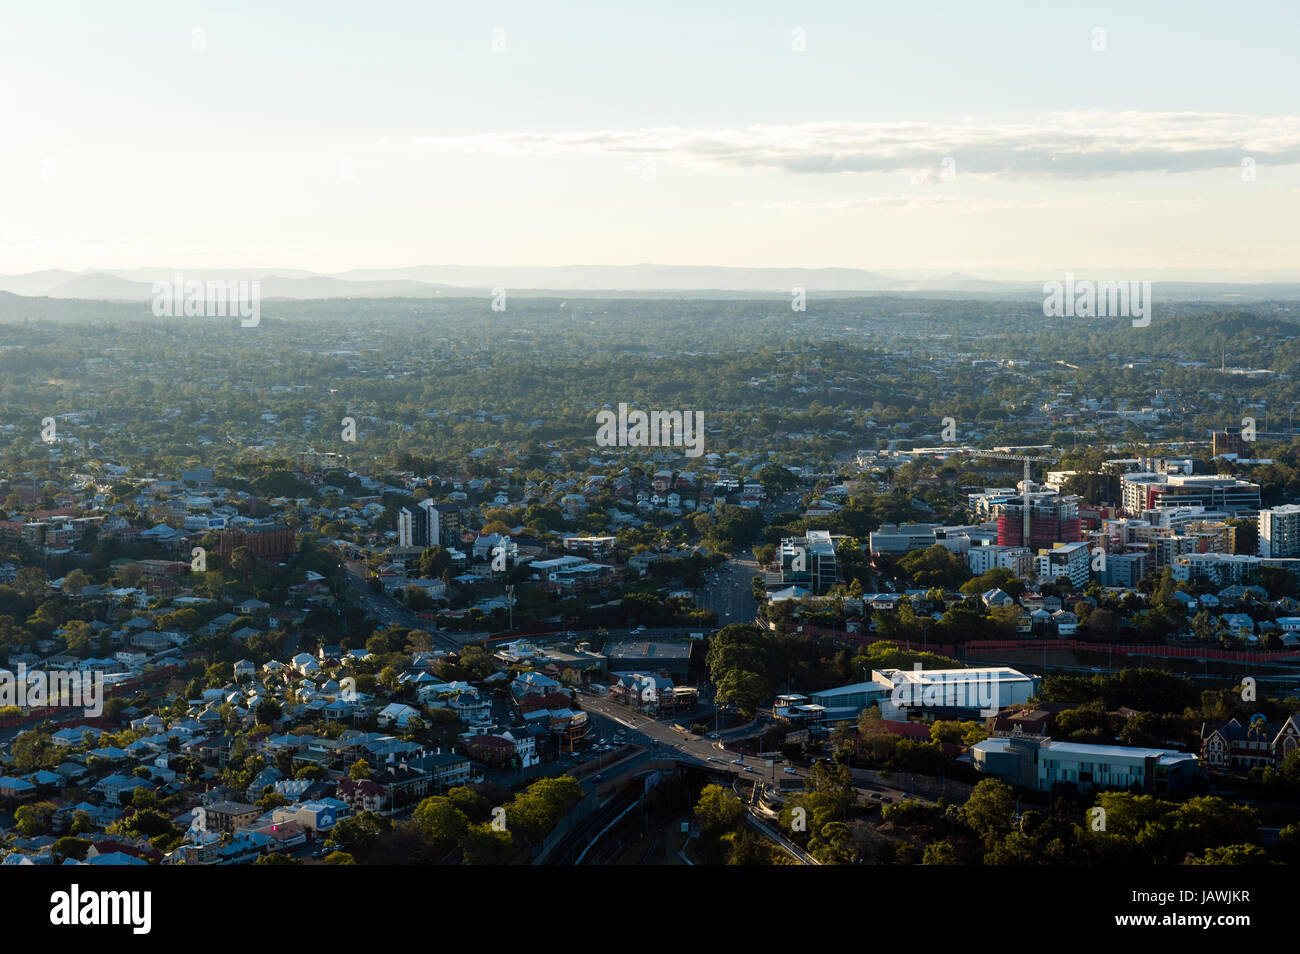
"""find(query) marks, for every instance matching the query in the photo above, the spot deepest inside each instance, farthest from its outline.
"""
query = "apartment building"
(1229, 441)
(1123, 569)
(1279, 531)
(595, 548)
(1052, 520)
(1071, 560)
(266, 541)
(429, 524)
(1019, 560)
(1228, 568)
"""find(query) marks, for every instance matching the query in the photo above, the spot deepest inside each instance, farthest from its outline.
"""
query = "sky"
(996, 139)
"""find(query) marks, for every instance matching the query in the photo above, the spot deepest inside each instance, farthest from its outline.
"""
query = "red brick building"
(266, 542)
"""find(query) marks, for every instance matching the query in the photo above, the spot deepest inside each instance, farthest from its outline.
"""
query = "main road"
(729, 592)
(664, 740)
(390, 610)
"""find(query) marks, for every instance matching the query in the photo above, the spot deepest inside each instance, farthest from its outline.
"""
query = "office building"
(1035, 762)
(809, 561)
(1151, 491)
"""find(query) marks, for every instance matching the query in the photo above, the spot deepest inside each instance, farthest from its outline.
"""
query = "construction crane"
(1028, 459)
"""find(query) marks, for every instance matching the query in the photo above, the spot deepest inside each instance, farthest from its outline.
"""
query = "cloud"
(949, 202)
(1071, 145)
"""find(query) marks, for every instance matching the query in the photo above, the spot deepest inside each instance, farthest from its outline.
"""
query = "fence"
(978, 647)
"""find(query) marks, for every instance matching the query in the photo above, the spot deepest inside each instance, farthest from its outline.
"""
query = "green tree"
(76, 581)
(989, 809)
(1233, 855)
(34, 750)
(718, 810)
(939, 853)
(33, 818)
(745, 690)
(442, 823)
(484, 845)
(68, 847)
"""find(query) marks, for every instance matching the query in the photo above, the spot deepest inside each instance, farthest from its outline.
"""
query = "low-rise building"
(1233, 747)
(1036, 762)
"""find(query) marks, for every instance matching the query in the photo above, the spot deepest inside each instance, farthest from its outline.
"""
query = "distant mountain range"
(427, 281)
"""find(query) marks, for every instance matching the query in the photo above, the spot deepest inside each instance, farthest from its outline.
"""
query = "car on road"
(749, 768)
(737, 761)
(789, 771)
(639, 629)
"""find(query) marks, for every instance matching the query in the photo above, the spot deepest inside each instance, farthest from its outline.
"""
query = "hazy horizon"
(1088, 138)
